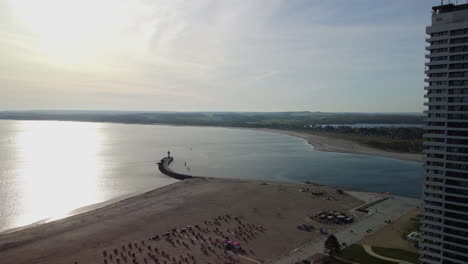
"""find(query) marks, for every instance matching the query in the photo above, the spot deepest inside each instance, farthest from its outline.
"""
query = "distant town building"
(445, 193)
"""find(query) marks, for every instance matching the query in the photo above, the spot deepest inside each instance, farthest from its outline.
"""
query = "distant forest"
(284, 120)
(401, 139)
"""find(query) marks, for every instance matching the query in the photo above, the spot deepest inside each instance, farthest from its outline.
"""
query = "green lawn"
(356, 253)
(397, 254)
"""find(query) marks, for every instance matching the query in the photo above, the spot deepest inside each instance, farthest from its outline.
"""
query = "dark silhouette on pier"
(164, 168)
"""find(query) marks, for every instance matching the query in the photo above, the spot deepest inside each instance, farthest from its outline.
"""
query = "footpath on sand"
(369, 251)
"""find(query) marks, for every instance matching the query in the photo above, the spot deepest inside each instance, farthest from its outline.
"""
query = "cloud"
(266, 75)
(303, 54)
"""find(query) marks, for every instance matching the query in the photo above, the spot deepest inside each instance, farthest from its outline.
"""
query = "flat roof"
(449, 8)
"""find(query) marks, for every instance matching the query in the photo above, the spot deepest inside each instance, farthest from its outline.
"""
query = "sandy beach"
(345, 146)
(261, 216)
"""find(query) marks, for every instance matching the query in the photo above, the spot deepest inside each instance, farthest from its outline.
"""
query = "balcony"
(458, 136)
(434, 151)
(452, 95)
(436, 79)
(457, 103)
(458, 120)
(436, 38)
(427, 127)
(436, 144)
(432, 95)
(429, 259)
(435, 111)
(458, 162)
(437, 46)
(432, 63)
(432, 71)
(437, 119)
(434, 136)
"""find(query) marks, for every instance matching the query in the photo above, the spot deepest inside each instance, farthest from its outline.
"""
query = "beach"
(321, 143)
(261, 216)
(277, 208)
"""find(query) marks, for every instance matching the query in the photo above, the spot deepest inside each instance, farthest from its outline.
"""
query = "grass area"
(383, 143)
(357, 253)
(397, 253)
(415, 225)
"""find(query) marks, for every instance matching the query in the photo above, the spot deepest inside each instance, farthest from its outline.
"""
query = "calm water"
(48, 168)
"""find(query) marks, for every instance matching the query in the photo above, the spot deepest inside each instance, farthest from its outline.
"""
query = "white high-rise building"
(445, 193)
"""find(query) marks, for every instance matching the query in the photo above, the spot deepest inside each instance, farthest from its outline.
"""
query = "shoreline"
(328, 144)
(82, 210)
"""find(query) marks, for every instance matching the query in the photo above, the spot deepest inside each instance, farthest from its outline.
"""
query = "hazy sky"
(190, 55)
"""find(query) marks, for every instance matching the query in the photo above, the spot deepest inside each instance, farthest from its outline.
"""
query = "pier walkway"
(164, 169)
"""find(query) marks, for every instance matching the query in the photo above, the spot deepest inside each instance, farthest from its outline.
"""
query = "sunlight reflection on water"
(60, 168)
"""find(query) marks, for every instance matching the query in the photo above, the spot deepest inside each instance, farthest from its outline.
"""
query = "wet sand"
(345, 146)
(262, 216)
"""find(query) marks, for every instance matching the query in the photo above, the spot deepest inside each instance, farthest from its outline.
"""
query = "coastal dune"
(266, 212)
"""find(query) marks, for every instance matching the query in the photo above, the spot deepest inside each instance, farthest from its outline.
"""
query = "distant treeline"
(398, 139)
(407, 133)
(281, 120)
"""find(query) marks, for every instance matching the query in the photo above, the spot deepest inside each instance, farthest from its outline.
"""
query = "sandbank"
(321, 143)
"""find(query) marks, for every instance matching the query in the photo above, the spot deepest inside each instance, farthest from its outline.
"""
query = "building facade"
(445, 192)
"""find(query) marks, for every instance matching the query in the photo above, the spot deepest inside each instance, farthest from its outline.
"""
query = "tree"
(332, 246)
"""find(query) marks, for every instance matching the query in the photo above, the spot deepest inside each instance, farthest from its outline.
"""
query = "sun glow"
(73, 31)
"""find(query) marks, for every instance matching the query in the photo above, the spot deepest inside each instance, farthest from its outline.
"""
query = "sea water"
(49, 168)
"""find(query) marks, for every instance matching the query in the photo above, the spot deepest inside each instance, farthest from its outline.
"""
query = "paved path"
(369, 251)
(390, 209)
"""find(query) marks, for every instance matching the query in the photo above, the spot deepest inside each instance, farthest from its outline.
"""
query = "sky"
(213, 55)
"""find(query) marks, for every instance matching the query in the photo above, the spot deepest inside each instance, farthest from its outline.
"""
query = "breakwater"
(164, 169)
(364, 208)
